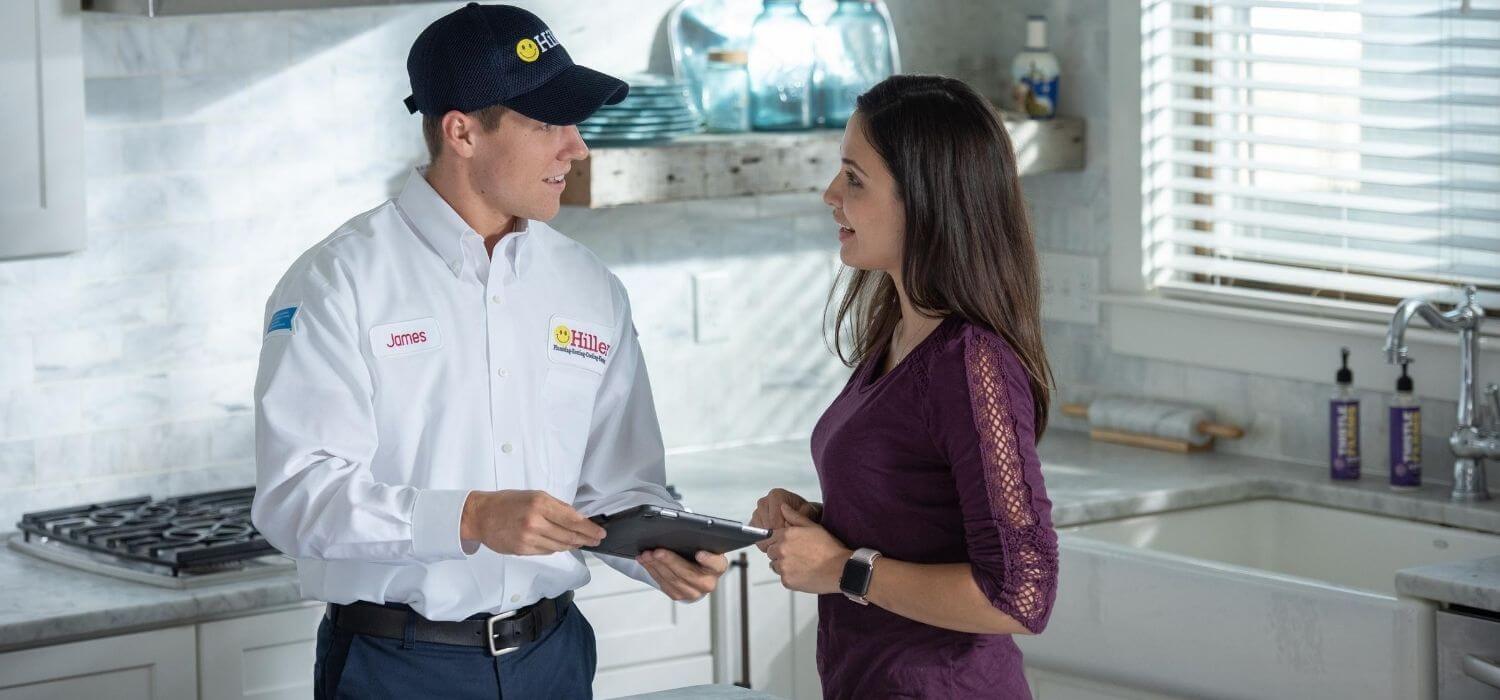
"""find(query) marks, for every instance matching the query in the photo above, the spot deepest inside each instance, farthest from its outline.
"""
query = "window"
(1343, 153)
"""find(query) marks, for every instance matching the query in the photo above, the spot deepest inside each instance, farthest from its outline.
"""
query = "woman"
(928, 456)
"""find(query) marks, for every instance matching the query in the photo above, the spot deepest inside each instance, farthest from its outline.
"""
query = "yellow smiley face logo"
(528, 50)
(562, 335)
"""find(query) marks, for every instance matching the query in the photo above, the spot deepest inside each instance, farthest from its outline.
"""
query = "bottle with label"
(1035, 73)
(1343, 425)
(1406, 435)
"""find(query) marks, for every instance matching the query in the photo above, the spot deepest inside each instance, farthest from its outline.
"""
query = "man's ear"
(459, 131)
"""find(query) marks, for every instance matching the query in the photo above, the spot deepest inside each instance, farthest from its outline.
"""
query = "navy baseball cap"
(484, 55)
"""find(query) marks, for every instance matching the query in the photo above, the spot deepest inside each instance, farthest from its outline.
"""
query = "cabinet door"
(647, 642)
(783, 635)
(41, 136)
(267, 656)
(157, 665)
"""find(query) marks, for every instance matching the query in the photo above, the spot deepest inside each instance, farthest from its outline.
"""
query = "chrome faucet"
(1471, 443)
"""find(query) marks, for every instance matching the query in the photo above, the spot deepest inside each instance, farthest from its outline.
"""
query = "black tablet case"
(632, 531)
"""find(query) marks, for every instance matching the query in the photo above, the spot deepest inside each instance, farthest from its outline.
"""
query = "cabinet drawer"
(156, 665)
(1462, 635)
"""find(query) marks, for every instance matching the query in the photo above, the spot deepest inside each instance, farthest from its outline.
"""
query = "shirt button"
(515, 598)
(456, 266)
(495, 298)
(503, 373)
(506, 448)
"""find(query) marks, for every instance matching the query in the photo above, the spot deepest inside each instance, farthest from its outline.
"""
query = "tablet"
(630, 532)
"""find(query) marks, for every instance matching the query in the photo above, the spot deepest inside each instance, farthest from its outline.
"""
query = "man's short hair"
(432, 127)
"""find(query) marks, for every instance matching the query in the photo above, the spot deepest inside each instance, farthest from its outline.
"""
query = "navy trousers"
(559, 664)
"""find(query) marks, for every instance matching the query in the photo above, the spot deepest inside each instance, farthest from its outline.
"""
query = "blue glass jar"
(725, 93)
(853, 56)
(782, 60)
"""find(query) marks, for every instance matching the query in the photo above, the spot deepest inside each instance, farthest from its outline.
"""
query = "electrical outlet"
(711, 292)
(1070, 288)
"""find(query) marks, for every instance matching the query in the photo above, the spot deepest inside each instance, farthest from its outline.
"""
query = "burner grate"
(183, 534)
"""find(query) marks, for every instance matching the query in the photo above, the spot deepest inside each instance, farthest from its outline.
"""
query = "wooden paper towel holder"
(1155, 442)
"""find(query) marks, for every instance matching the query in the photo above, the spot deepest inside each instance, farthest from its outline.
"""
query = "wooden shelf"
(734, 165)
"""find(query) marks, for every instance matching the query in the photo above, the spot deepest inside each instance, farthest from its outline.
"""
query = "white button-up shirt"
(404, 367)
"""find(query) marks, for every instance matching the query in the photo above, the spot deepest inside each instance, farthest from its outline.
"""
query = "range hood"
(167, 8)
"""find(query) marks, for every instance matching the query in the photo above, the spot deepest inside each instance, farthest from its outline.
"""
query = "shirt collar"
(445, 231)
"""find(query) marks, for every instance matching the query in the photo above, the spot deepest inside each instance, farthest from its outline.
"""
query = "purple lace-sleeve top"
(935, 462)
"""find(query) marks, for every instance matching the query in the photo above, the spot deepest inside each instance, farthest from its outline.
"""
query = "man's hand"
(768, 513)
(526, 523)
(681, 579)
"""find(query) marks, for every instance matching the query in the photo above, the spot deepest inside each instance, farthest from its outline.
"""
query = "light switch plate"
(711, 312)
(1070, 288)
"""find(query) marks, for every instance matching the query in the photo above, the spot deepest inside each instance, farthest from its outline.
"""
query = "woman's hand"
(768, 515)
(805, 556)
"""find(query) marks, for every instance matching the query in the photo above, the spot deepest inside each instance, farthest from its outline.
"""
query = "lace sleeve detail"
(1027, 582)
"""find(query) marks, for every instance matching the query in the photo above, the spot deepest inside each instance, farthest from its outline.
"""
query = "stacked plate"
(658, 108)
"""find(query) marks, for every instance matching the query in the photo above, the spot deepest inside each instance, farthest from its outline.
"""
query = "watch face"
(856, 578)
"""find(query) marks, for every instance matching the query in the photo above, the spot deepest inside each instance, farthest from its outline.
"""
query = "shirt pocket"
(568, 397)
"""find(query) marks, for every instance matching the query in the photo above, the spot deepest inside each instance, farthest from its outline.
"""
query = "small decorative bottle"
(726, 92)
(1035, 73)
(1343, 426)
(1406, 435)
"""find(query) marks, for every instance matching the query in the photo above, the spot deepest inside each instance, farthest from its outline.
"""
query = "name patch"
(405, 337)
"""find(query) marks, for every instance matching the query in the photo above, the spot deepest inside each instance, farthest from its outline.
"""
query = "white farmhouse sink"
(1253, 599)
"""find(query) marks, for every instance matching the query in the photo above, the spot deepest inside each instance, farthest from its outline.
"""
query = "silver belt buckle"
(489, 631)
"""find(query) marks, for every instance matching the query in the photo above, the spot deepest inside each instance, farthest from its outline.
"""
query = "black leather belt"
(499, 634)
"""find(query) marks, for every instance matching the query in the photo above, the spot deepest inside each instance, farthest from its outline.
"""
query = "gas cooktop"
(176, 542)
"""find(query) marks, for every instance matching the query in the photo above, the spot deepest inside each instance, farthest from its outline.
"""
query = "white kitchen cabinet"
(268, 656)
(647, 642)
(41, 136)
(783, 633)
(156, 665)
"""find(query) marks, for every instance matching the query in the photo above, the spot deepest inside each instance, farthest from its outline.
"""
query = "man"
(448, 388)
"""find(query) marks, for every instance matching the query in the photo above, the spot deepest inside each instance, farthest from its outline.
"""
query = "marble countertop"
(1475, 583)
(45, 603)
(707, 692)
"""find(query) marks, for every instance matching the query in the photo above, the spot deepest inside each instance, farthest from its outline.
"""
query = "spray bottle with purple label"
(1406, 435)
(1343, 425)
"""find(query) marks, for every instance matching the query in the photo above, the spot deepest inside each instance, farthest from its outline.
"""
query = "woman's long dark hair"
(969, 248)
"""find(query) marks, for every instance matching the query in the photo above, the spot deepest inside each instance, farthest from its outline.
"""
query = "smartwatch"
(858, 572)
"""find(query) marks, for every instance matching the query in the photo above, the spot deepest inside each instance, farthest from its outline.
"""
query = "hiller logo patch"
(585, 345)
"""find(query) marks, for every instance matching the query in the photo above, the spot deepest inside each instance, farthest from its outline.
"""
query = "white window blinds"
(1346, 152)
